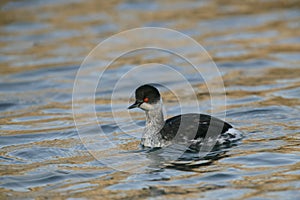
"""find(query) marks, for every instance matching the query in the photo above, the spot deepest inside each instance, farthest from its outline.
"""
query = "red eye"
(146, 99)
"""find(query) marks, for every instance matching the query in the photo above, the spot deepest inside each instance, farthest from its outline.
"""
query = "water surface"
(254, 44)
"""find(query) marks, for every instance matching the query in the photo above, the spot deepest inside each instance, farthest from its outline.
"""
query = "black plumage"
(193, 126)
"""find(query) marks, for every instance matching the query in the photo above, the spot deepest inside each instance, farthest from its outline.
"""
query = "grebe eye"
(146, 99)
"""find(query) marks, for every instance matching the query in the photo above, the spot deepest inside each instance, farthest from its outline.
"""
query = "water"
(254, 44)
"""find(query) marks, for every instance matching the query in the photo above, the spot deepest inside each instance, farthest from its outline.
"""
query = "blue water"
(42, 154)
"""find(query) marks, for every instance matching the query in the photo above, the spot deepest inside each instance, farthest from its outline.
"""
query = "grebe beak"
(135, 105)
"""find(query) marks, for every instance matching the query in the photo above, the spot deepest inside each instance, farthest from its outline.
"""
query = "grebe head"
(146, 98)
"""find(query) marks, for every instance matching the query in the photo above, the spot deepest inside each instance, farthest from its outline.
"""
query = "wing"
(193, 126)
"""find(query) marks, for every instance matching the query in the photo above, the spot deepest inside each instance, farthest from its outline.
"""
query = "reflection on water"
(254, 44)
